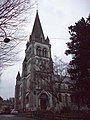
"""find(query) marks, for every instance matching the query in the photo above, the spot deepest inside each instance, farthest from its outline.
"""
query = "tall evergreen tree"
(79, 48)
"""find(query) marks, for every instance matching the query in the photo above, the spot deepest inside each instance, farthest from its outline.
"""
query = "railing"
(44, 115)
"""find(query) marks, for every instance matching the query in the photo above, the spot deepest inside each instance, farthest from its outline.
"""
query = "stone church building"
(32, 90)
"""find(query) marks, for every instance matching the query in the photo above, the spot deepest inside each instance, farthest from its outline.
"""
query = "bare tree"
(51, 74)
(13, 18)
(13, 13)
(60, 74)
(60, 68)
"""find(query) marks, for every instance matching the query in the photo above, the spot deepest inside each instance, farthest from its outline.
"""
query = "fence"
(44, 115)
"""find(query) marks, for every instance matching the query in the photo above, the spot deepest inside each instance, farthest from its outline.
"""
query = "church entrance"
(43, 101)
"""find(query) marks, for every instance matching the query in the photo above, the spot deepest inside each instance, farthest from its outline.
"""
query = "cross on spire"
(37, 6)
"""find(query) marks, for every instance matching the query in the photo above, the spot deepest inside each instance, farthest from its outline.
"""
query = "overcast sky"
(55, 16)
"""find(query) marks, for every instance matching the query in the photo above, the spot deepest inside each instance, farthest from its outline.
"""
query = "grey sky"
(55, 16)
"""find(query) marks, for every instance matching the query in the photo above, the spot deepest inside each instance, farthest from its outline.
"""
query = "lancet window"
(45, 53)
(38, 50)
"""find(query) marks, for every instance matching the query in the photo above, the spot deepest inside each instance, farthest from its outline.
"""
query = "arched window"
(30, 50)
(38, 50)
(45, 54)
(59, 86)
(60, 97)
(41, 39)
(27, 98)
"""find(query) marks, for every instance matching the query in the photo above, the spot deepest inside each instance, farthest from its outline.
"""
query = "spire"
(47, 40)
(18, 76)
(37, 32)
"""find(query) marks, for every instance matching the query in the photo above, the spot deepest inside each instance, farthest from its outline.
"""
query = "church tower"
(17, 89)
(37, 71)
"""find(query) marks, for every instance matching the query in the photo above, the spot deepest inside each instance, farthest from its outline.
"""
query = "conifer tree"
(79, 48)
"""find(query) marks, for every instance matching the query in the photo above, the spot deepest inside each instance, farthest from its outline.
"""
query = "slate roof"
(37, 31)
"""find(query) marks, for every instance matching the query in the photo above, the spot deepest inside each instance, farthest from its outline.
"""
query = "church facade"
(33, 89)
(37, 87)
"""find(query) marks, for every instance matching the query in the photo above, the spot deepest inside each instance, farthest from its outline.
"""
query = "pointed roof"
(37, 31)
(18, 76)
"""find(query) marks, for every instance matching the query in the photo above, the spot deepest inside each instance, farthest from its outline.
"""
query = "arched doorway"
(43, 101)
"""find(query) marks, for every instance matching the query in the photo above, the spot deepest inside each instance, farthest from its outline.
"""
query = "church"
(38, 88)
(36, 85)
(33, 87)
